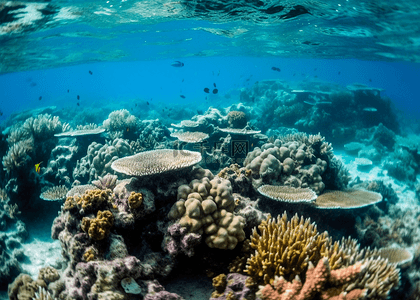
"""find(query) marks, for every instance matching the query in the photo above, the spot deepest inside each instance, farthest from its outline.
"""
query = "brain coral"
(206, 207)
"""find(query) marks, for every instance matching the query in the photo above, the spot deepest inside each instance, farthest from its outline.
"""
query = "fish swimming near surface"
(177, 64)
(40, 98)
(78, 97)
(38, 167)
(182, 96)
(147, 102)
(215, 91)
(214, 84)
(78, 104)
(1, 113)
(206, 90)
(370, 109)
(90, 72)
(275, 69)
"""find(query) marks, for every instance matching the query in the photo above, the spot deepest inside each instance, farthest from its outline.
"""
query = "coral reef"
(98, 160)
(300, 161)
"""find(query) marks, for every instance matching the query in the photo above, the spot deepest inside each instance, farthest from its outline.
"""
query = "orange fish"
(38, 167)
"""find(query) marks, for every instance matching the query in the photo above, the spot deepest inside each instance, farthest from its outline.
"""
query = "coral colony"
(224, 194)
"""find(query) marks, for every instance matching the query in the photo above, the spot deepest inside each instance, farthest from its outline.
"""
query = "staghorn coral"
(284, 248)
(56, 193)
(206, 207)
(156, 162)
(347, 199)
(320, 283)
(42, 294)
(287, 193)
(99, 227)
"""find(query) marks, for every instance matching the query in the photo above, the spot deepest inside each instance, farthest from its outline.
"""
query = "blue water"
(125, 83)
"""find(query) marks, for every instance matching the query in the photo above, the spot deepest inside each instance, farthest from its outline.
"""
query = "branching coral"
(284, 248)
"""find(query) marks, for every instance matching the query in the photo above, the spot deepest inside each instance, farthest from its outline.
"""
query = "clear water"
(89, 58)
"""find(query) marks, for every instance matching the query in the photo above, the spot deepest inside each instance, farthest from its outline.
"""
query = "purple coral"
(155, 291)
(236, 286)
(179, 240)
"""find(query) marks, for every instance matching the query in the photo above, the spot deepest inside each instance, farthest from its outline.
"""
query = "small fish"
(182, 79)
(200, 112)
(147, 102)
(128, 129)
(136, 104)
(275, 69)
(370, 80)
(78, 104)
(78, 97)
(214, 84)
(182, 96)
(90, 72)
(215, 91)
(294, 74)
(177, 64)
(68, 91)
(1, 113)
(38, 167)
(370, 109)
(206, 90)
(40, 98)
(339, 72)
(33, 84)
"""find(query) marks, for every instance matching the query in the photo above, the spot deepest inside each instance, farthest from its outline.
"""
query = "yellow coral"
(135, 200)
(93, 199)
(90, 255)
(99, 227)
(284, 248)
